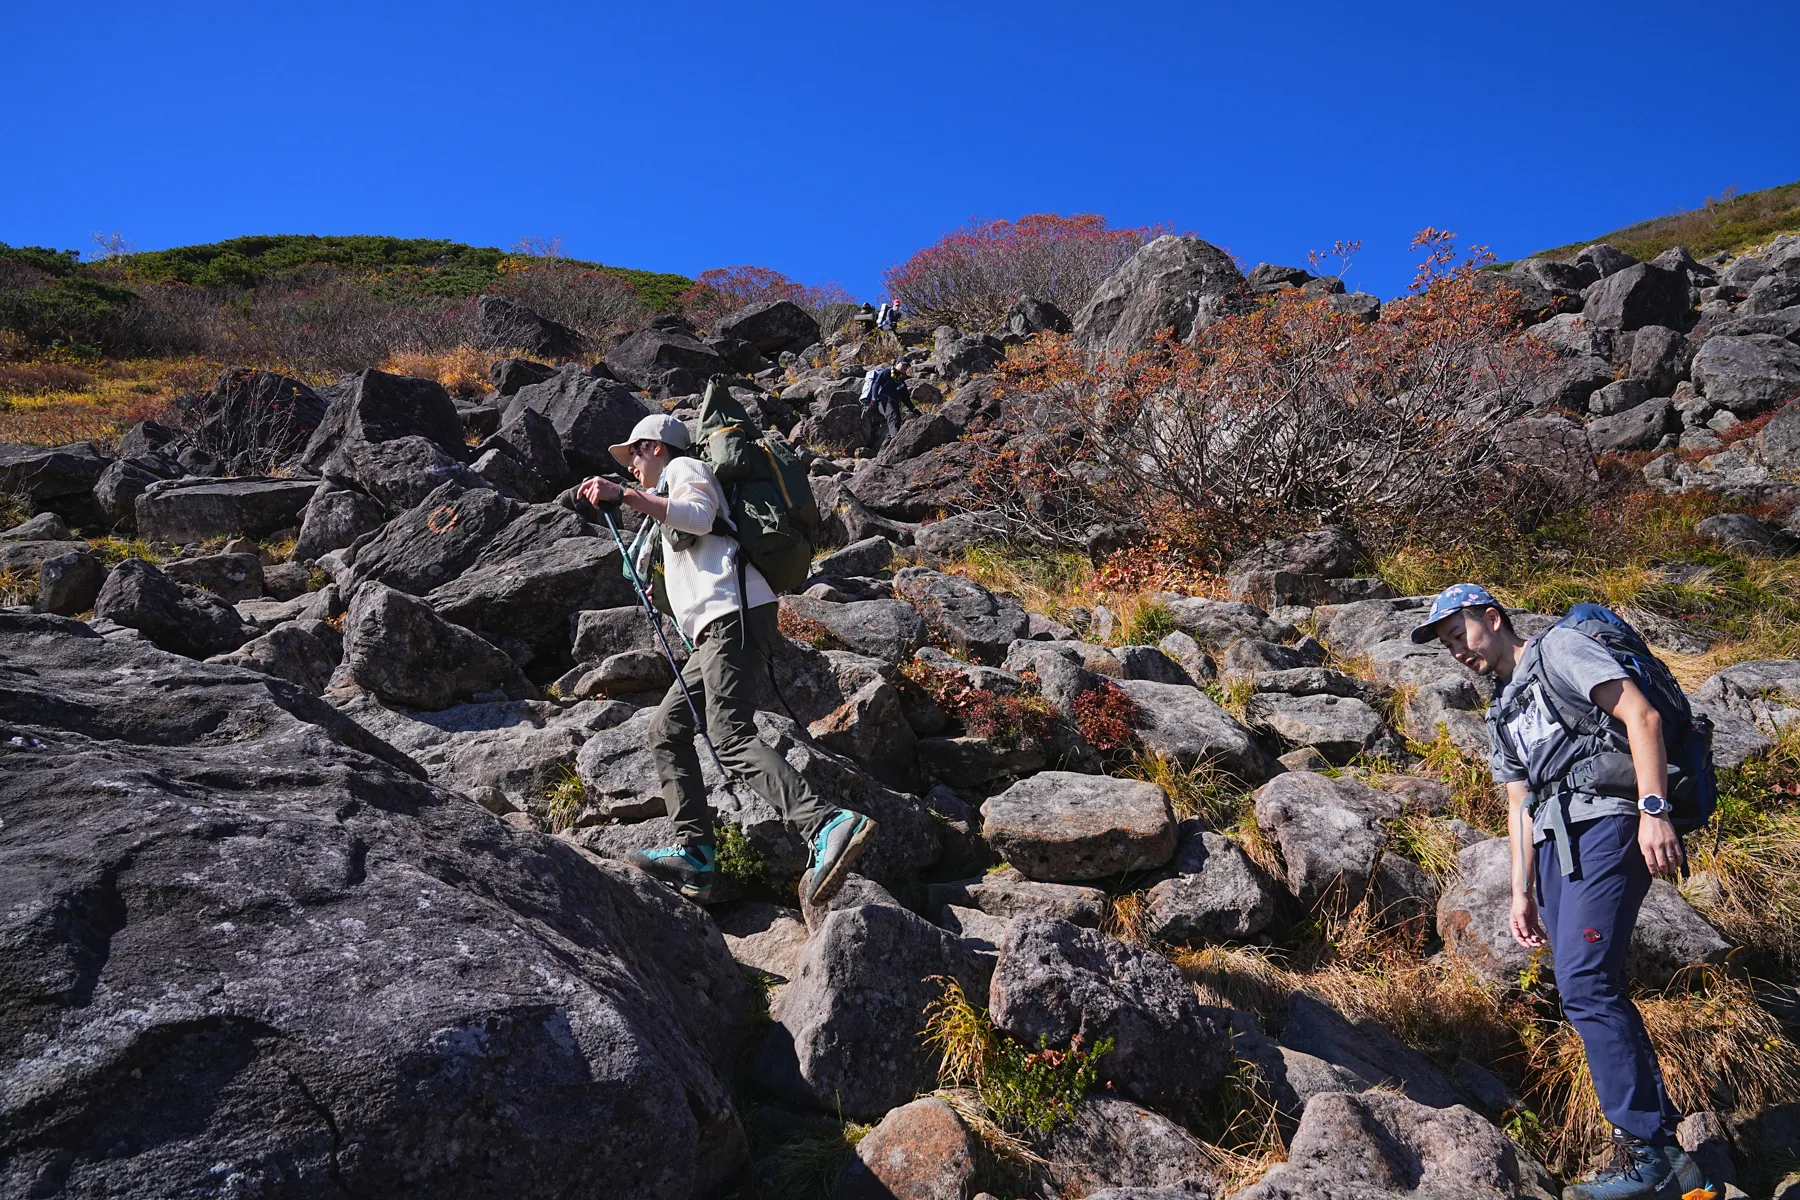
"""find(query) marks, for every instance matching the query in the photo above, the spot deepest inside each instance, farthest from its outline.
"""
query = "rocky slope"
(311, 867)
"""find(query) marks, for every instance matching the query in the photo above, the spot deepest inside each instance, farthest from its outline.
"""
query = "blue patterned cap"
(1454, 598)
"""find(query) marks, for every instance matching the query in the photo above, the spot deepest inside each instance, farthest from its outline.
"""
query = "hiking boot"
(837, 845)
(1639, 1171)
(687, 869)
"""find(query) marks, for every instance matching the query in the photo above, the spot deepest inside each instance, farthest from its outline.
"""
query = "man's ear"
(1493, 620)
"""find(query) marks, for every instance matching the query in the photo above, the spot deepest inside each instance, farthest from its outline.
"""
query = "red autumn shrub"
(1107, 717)
(1007, 721)
(972, 276)
(1268, 419)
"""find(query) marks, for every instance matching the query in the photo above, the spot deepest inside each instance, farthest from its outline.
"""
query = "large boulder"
(68, 583)
(1331, 552)
(958, 355)
(288, 652)
(1364, 1055)
(125, 479)
(373, 406)
(886, 629)
(850, 1020)
(250, 952)
(1378, 1144)
(530, 597)
(503, 324)
(1056, 982)
(1178, 283)
(529, 438)
(254, 421)
(58, 479)
(665, 358)
(178, 617)
(1216, 894)
(192, 510)
(398, 649)
(772, 326)
(1473, 917)
(1748, 374)
(1339, 727)
(1639, 295)
(399, 472)
(1660, 357)
(1117, 1150)
(588, 413)
(1029, 315)
(335, 517)
(1183, 724)
(962, 612)
(1061, 826)
(919, 489)
(435, 542)
(919, 1151)
(1329, 831)
(870, 729)
(1638, 428)
(230, 577)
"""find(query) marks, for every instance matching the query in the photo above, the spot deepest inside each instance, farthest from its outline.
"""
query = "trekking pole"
(668, 653)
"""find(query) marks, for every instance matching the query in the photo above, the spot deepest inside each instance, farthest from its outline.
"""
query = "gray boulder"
(530, 597)
(1378, 1145)
(588, 413)
(1218, 623)
(1637, 296)
(1329, 831)
(1006, 893)
(1339, 727)
(503, 324)
(433, 542)
(58, 479)
(287, 652)
(1748, 374)
(400, 472)
(870, 729)
(1365, 1054)
(1216, 895)
(864, 556)
(1172, 283)
(1029, 315)
(343, 1049)
(1660, 357)
(852, 1015)
(665, 358)
(1148, 662)
(772, 326)
(230, 577)
(192, 510)
(1616, 397)
(508, 375)
(1639, 428)
(529, 438)
(335, 517)
(69, 583)
(1056, 982)
(177, 617)
(603, 632)
(399, 650)
(1184, 725)
(1061, 826)
(373, 406)
(44, 527)
(919, 1151)
(125, 479)
(1746, 534)
(1113, 1148)
(962, 612)
(886, 629)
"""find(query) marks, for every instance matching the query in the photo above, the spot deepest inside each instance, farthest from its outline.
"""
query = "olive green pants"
(723, 675)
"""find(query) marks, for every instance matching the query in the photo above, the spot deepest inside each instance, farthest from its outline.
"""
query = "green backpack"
(767, 488)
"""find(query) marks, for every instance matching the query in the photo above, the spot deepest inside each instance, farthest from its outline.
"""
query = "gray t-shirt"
(1573, 666)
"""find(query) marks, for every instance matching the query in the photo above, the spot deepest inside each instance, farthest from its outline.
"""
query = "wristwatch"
(1653, 805)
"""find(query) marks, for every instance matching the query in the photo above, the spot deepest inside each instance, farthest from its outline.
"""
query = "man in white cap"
(731, 634)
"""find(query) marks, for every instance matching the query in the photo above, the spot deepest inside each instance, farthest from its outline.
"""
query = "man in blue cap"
(1582, 860)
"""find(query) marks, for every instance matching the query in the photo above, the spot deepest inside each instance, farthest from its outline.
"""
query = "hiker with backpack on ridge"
(1603, 765)
(884, 389)
(726, 610)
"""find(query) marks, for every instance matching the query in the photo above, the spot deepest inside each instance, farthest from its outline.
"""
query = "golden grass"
(1474, 797)
(49, 399)
(463, 370)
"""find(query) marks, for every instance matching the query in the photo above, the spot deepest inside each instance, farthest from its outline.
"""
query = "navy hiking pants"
(1589, 917)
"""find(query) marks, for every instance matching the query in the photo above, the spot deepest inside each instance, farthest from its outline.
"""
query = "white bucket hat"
(660, 427)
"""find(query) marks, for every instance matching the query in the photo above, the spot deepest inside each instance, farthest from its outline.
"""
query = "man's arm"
(1621, 700)
(1527, 930)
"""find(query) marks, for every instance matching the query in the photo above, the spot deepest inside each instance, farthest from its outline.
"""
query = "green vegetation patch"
(1728, 225)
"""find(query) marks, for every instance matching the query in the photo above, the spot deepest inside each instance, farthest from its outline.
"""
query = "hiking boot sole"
(824, 889)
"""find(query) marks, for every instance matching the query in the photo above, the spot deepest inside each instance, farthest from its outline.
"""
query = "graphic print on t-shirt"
(1533, 728)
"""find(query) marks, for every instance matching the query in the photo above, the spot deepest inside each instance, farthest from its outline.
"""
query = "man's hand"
(1527, 930)
(1660, 844)
(597, 491)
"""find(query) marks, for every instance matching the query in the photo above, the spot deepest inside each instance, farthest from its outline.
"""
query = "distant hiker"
(1577, 738)
(702, 578)
(889, 315)
(884, 390)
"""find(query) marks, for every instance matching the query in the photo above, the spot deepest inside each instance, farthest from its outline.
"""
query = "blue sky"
(830, 140)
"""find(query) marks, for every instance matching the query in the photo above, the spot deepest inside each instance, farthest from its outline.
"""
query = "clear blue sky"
(830, 140)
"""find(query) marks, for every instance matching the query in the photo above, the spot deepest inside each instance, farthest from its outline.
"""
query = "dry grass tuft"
(1474, 797)
(1125, 919)
(463, 370)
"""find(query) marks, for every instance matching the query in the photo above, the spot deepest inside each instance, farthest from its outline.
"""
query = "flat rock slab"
(1339, 727)
(1062, 826)
(192, 510)
(1183, 724)
(1007, 893)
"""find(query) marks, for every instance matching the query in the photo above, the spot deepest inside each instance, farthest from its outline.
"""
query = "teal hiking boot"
(836, 847)
(687, 869)
(1640, 1171)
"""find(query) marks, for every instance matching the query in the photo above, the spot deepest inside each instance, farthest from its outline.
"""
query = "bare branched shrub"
(593, 303)
(972, 275)
(315, 323)
(1266, 420)
(723, 290)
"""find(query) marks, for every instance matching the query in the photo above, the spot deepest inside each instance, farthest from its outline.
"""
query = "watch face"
(1656, 806)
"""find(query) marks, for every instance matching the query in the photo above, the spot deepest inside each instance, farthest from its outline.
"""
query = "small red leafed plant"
(1108, 718)
(1009, 722)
